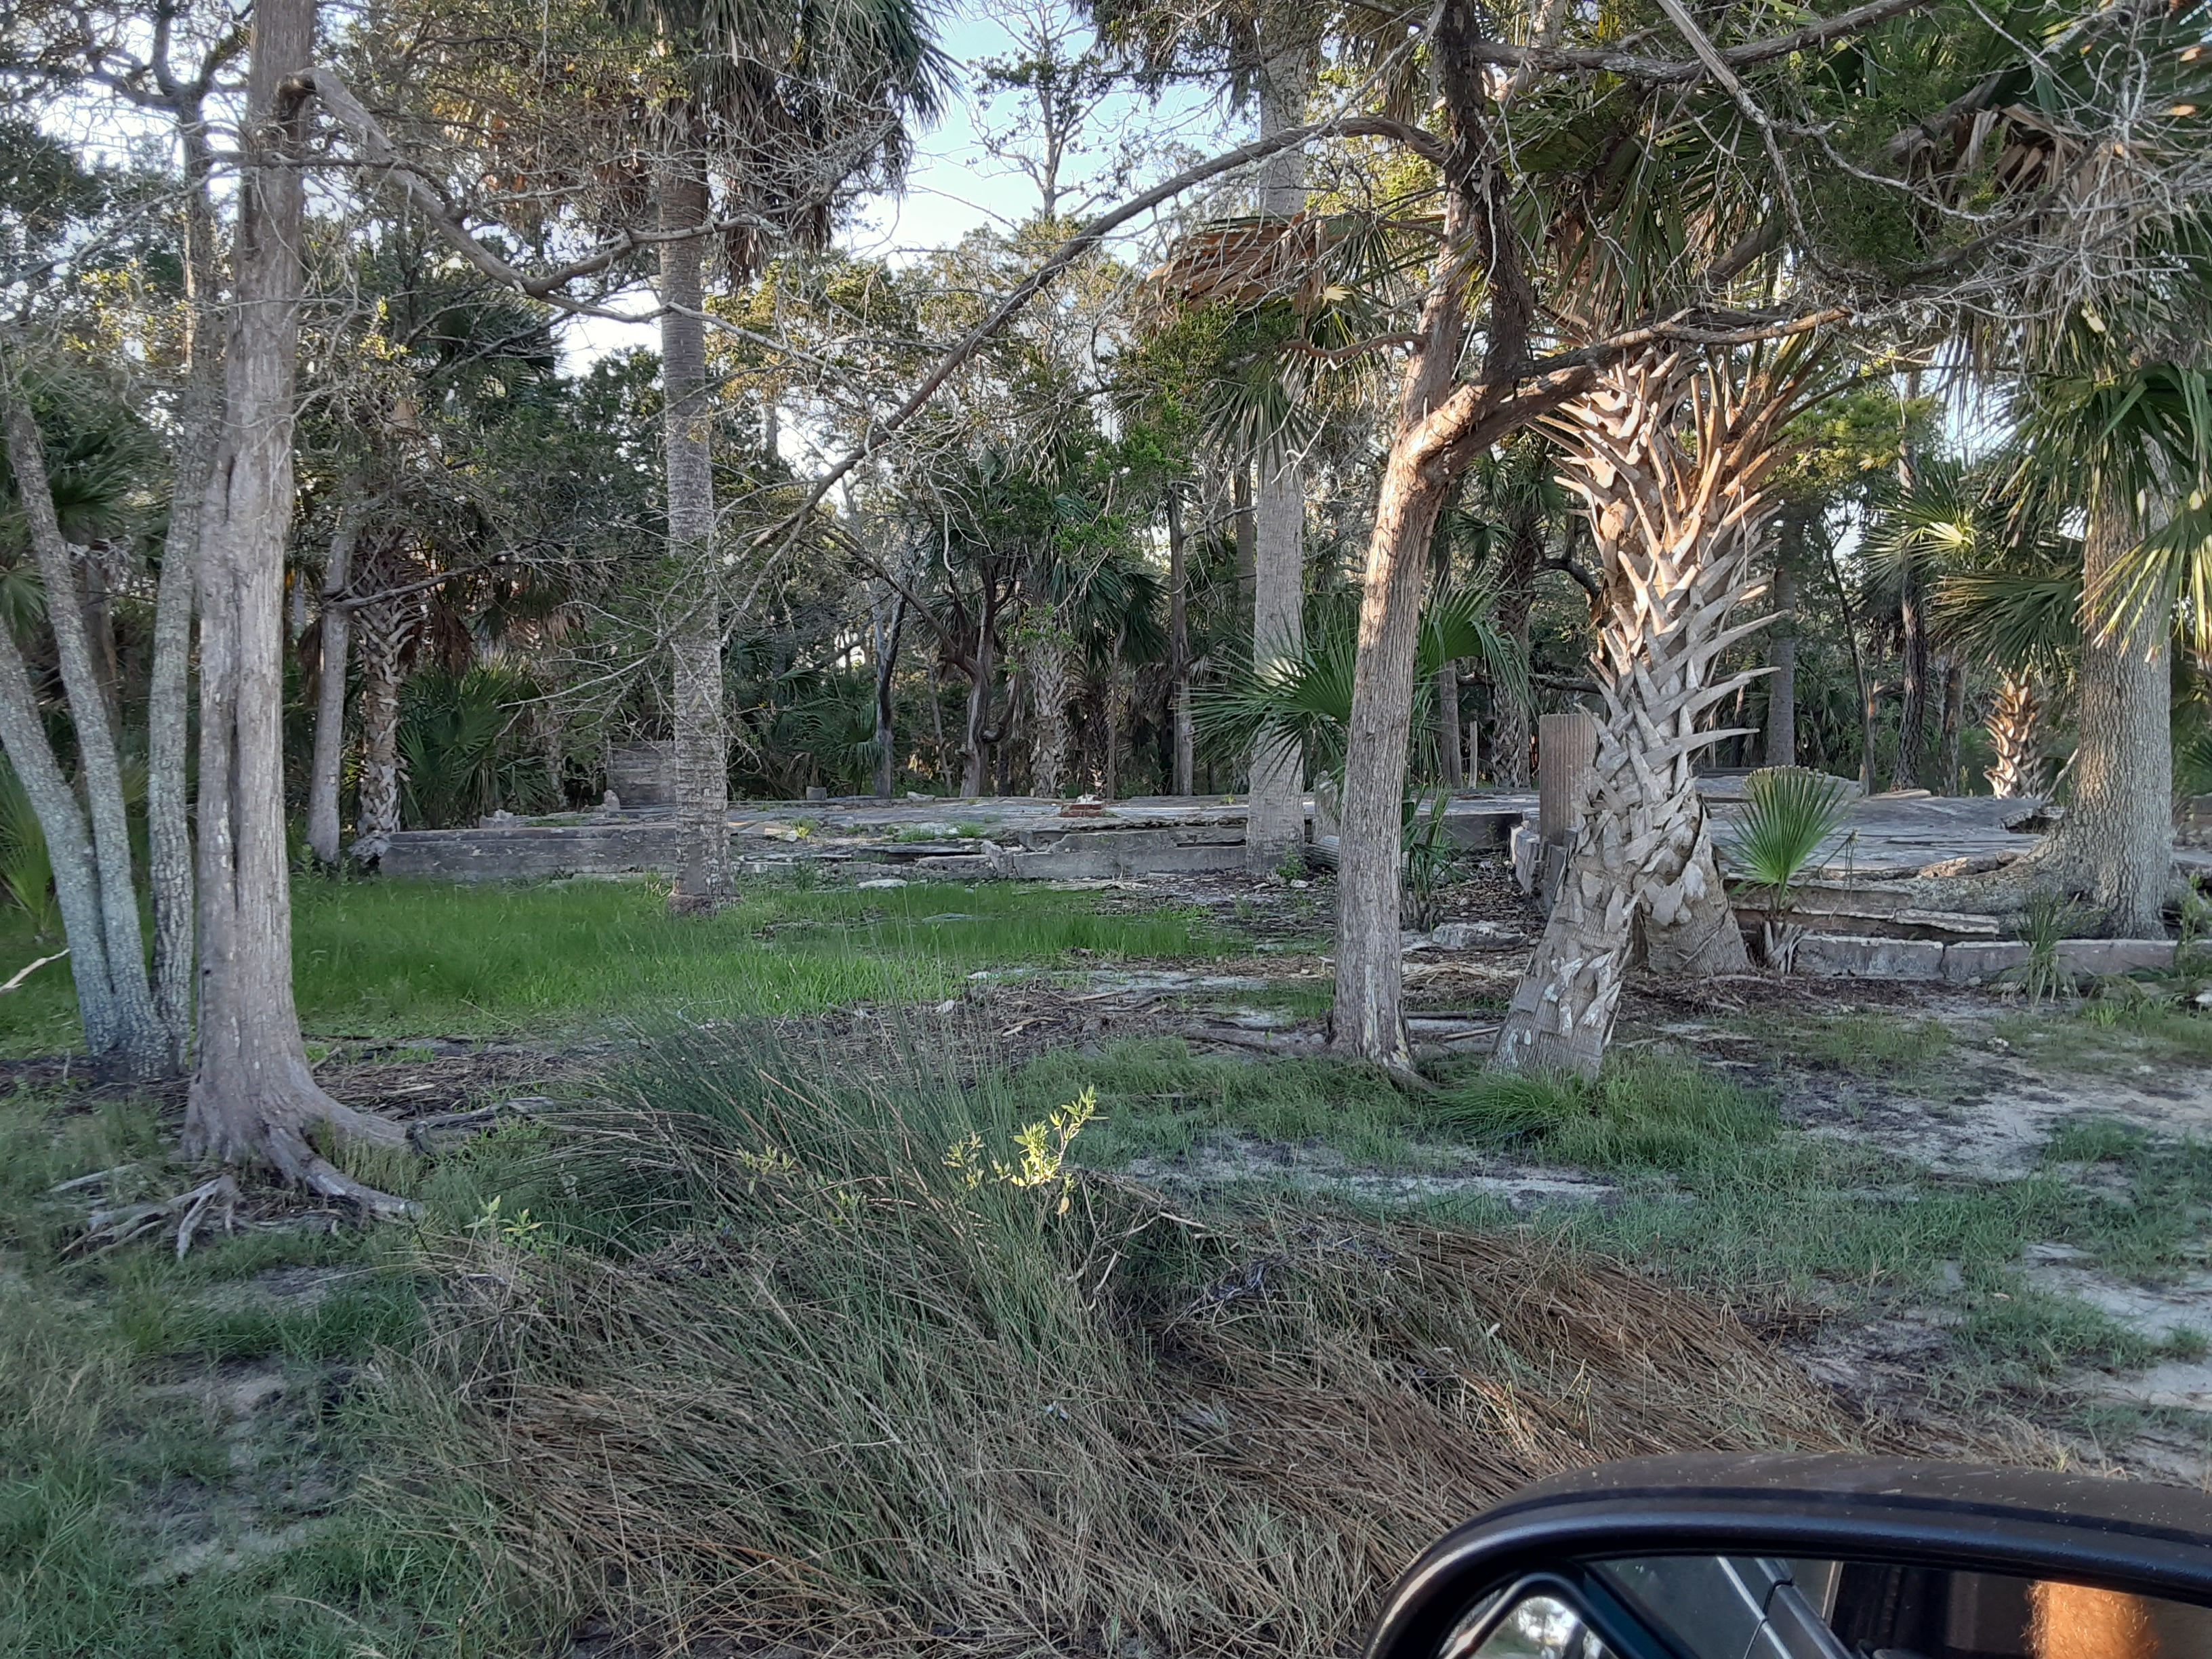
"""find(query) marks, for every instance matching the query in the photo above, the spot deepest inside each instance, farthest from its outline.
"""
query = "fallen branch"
(22, 974)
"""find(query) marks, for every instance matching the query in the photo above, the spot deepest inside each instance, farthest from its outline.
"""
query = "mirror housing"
(2133, 1537)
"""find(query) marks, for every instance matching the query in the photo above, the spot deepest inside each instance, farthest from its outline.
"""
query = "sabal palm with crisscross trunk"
(1671, 454)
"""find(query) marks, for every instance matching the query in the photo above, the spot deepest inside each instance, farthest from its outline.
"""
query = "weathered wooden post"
(1566, 763)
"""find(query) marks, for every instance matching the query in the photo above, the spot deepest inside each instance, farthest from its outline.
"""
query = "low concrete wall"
(532, 851)
(1968, 961)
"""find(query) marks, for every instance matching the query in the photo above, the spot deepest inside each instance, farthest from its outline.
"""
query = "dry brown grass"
(812, 1384)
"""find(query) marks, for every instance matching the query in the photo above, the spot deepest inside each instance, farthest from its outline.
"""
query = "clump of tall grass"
(794, 1353)
(2046, 923)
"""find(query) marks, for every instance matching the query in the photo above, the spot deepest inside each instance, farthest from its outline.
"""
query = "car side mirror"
(1815, 1557)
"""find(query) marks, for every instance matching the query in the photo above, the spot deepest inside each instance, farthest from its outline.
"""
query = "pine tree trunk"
(1780, 747)
(323, 771)
(2016, 735)
(142, 1045)
(703, 881)
(2115, 845)
(1275, 820)
(252, 1097)
(1670, 459)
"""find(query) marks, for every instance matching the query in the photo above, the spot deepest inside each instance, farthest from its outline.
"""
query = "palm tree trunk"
(1951, 727)
(1247, 534)
(387, 627)
(2115, 845)
(1180, 767)
(1517, 592)
(886, 655)
(141, 1043)
(2016, 734)
(1912, 706)
(1275, 820)
(703, 881)
(1676, 517)
(252, 1097)
(1047, 678)
(323, 771)
(1780, 747)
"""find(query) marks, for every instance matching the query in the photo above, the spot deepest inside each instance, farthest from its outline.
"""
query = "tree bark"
(886, 654)
(1951, 727)
(1048, 679)
(2016, 734)
(252, 1096)
(1275, 819)
(1516, 593)
(2115, 845)
(1670, 457)
(1246, 533)
(1780, 746)
(1181, 767)
(388, 626)
(703, 881)
(975, 773)
(141, 1043)
(1912, 705)
(331, 687)
(69, 847)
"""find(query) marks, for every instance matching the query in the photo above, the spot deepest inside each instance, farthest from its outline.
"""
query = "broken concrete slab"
(1847, 956)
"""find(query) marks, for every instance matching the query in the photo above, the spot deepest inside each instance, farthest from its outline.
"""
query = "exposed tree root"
(2006, 892)
(108, 1230)
(272, 1127)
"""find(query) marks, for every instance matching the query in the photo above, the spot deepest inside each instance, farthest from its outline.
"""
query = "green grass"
(111, 1458)
(1156, 1098)
(1886, 1045)
(402, 959)
(2118, 1033)
(1649, 1111)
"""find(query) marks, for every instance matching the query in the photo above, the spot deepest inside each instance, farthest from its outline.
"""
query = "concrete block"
(1977, 962)
(2115, 955)
(1843, 956)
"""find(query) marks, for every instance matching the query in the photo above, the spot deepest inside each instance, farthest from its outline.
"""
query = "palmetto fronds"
(456, 762)
(1306, 698)
(1791, 820)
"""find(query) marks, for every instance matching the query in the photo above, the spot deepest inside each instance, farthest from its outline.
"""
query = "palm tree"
(2130, 446)
(1673, 456)
(1931, 526)
(772, 107)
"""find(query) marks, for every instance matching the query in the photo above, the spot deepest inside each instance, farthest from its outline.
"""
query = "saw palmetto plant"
(1306, 698)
